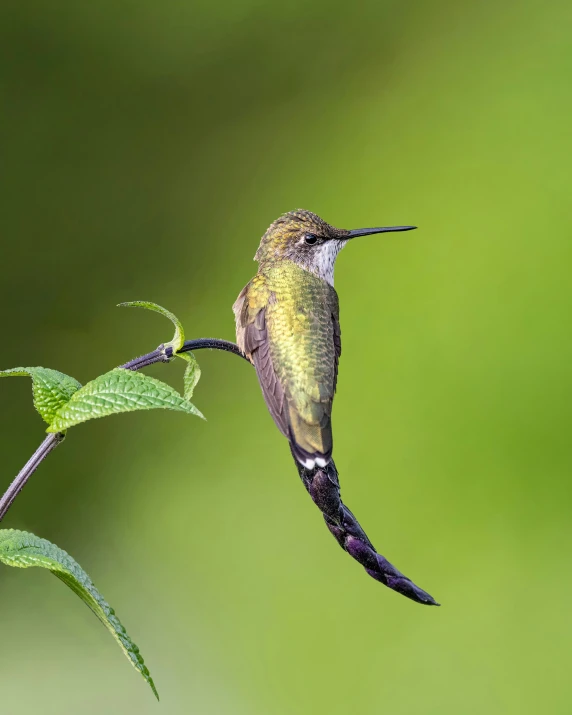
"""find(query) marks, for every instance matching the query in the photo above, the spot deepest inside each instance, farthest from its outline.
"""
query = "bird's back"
(287, 322)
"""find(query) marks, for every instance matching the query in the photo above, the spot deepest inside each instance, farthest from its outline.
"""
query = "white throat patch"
(324, 258)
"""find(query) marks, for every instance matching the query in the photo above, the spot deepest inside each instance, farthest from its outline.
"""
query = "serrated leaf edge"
(184, 405)
(86, 591)
(37, 375)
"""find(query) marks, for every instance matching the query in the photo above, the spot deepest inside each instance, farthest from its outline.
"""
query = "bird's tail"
(323, 486)
(311, 443)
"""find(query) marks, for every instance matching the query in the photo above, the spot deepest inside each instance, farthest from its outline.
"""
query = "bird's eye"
(310, 239)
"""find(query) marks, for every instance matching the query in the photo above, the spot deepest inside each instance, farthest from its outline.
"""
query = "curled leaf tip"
(179, 338)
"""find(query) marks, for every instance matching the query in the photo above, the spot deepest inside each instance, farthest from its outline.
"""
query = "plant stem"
(212, 343)
(49, 444)
(165, 354)
(160, 354)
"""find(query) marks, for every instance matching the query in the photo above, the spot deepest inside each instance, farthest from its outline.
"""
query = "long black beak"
(366, 231)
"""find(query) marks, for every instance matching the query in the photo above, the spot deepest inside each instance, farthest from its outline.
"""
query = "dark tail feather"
(324, 488)
(303, 455)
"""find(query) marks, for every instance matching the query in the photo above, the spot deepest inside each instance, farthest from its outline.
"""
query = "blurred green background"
(145, 148)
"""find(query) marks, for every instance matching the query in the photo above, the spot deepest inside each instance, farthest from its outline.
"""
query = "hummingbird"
(288, 326)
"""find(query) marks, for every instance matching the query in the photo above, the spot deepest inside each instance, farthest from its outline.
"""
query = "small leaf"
(22, 549)
(179, 337)
(51, 389)
(119, 391)
(192, 371)
(192, 374)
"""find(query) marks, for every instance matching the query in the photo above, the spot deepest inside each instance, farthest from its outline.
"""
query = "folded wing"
(295, 351)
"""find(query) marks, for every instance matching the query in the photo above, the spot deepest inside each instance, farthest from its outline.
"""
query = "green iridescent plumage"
(287, 323)
(290, 318)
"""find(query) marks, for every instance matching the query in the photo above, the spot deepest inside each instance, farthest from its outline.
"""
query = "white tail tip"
(311, 463)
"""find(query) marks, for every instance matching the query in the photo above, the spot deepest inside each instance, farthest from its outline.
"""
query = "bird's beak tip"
(382, 229)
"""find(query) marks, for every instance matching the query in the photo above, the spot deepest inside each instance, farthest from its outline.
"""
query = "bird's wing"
(288, 327)
(252, 338)
(337, 339)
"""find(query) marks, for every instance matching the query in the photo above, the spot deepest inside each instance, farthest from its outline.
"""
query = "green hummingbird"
(287, 324)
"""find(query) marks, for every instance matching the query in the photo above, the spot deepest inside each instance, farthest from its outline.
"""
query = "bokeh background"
(146, 147)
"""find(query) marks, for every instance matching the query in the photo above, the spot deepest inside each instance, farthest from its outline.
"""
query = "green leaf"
(192, 371)
(192, 374)
(119, 391)
(179, 337)
(22, 549)
(51, 389)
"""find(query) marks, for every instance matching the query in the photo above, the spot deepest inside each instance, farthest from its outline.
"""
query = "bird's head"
(306, 239)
